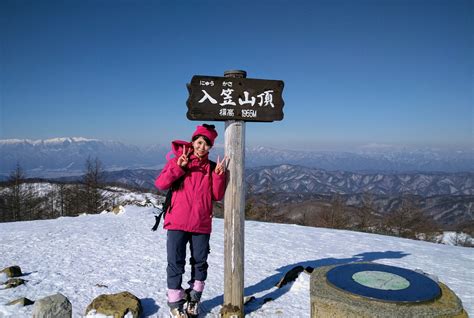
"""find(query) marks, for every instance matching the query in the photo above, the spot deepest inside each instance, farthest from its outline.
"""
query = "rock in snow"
(57, 306)
(116, 305)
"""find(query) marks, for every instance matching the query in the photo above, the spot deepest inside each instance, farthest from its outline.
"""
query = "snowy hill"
(89, 255)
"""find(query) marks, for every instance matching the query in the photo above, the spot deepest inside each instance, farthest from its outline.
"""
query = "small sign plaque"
(230, 98)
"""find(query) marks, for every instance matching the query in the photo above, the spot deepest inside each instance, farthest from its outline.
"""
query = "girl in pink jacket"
(189, 217)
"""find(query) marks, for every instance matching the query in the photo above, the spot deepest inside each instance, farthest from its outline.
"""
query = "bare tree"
(16, 195)
(464, 234)
(409, 220)
(60, 189)
(335, 216)
(250, 203)
(311, 215)
(19, 202)
(462, 239)
(93, 181)
(365, 216)
(466, 227)
(259, 206)
(398, 221)
(4, 211)
(74, 203)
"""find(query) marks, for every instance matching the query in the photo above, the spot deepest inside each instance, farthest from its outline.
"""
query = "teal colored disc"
(381, 280)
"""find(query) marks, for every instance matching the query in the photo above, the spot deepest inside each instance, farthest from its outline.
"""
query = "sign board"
(230, 98)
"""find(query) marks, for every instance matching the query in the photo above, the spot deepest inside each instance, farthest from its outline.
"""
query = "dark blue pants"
(176, 250)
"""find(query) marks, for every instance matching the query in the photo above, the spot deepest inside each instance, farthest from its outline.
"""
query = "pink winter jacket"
(191, 205)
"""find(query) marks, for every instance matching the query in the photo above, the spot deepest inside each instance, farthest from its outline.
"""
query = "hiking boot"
(178, 313)
(187, 294)
(192, 308)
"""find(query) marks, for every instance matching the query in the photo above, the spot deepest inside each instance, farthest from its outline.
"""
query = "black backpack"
(167, 204)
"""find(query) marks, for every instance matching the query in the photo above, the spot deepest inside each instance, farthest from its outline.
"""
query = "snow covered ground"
(89, 255)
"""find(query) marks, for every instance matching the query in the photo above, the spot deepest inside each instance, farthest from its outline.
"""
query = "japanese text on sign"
(219, 98)
(264, 99)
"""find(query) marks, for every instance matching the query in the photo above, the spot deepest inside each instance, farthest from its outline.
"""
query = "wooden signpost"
(235, 100)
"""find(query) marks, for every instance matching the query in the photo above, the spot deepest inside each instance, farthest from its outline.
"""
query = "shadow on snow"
(149, 307)
(268, 284)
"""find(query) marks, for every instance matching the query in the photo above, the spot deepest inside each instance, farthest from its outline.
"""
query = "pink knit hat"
(207, 131)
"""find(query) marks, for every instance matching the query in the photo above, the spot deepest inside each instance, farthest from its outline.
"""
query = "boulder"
(57, 306)
(21, 302)
(12, 271)
(116, 305)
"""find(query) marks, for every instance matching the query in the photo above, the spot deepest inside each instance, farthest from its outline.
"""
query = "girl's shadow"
(268, 284)
(149, 307)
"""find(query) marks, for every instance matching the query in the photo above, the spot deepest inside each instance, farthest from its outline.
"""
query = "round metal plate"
(383, 282)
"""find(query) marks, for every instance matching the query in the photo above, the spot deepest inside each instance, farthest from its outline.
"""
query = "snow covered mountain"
(305, 180)
(448, 197)
(66, 156)
(83, 257)
(299, 179)
(373, 159)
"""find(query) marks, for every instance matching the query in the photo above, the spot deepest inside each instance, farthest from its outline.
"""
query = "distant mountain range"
(368, 159)
(448, 197)
(66, 156)
(305, 180)
(299, 179)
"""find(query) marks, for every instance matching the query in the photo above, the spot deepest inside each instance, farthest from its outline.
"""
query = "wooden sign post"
(235, 100)
(234, 216)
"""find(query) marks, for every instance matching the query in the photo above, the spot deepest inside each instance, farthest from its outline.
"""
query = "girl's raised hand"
(183, 159)
(221, 165)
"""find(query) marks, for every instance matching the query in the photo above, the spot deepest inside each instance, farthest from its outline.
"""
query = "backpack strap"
(166, 206)
(157, 221)
(213, 165)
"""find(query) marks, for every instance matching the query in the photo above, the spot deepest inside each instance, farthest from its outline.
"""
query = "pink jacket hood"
(177, 146)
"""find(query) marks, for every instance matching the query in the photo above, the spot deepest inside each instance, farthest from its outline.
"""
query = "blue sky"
(356, 72)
